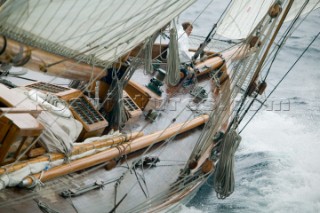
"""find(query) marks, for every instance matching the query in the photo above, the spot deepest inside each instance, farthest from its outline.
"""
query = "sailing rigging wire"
(107, 45)
(277, 49)
(177, 184)
(166, 142)
(286, 35)
(45, 207)
(235, 75)
(187, 106)
(258, 68)
(169, 125)
(283, 77)
(211, 33)
(252, 65)
(283, 39)
(56, 188)
(194, 20)
(216, 117)
(163, 143)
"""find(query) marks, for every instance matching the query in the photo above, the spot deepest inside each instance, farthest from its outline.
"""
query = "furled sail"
(101, 29)
(244, 15)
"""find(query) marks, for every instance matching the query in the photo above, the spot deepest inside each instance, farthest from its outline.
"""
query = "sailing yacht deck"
(136, 185)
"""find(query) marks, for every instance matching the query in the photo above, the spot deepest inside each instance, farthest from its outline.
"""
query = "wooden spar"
(81, 148)
(147, 140)
(112, 153)
(36, 59)
(209, 65)
(76, 151)
(215, 61)
(36, 152)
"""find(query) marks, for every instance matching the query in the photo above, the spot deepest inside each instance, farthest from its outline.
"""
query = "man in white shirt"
(185, 56)
(183, 42)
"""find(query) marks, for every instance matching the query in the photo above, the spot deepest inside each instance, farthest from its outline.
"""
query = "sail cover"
(244, 15)
(103, 29)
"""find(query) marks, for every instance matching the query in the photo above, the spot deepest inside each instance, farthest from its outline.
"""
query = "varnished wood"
(33, 112)
(39, 59)
(126, 148)
(81, 148)
(66, 95)
(136, 112)
(17, 125)
(76, 150)
(159, 51)
(89, 130)
(138, 93)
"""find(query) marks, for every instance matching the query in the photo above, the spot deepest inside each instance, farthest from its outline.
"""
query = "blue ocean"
(277, 163)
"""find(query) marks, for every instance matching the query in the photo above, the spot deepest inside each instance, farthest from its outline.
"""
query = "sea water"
(277, 166)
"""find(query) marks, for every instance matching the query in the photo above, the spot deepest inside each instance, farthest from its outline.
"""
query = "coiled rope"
(148, 55)
(173, 74)
(224, 175)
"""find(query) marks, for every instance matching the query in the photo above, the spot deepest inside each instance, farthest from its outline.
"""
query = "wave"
(276, 170)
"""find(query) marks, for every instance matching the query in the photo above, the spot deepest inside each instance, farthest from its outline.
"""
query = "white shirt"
(183, 46)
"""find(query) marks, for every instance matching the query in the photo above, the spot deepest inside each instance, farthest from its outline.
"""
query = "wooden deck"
(135, 186)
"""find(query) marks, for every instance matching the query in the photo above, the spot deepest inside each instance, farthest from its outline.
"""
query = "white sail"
(297, 5)
(244, 15)
(67, 27)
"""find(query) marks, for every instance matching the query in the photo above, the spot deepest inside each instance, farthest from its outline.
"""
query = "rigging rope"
(207, 40)
(148, 50)
(286, 35)
(266, 45)
(238, 77)
(283, 40)
(283, 77)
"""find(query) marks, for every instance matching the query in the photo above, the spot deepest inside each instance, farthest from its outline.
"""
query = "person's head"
(187, 27)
